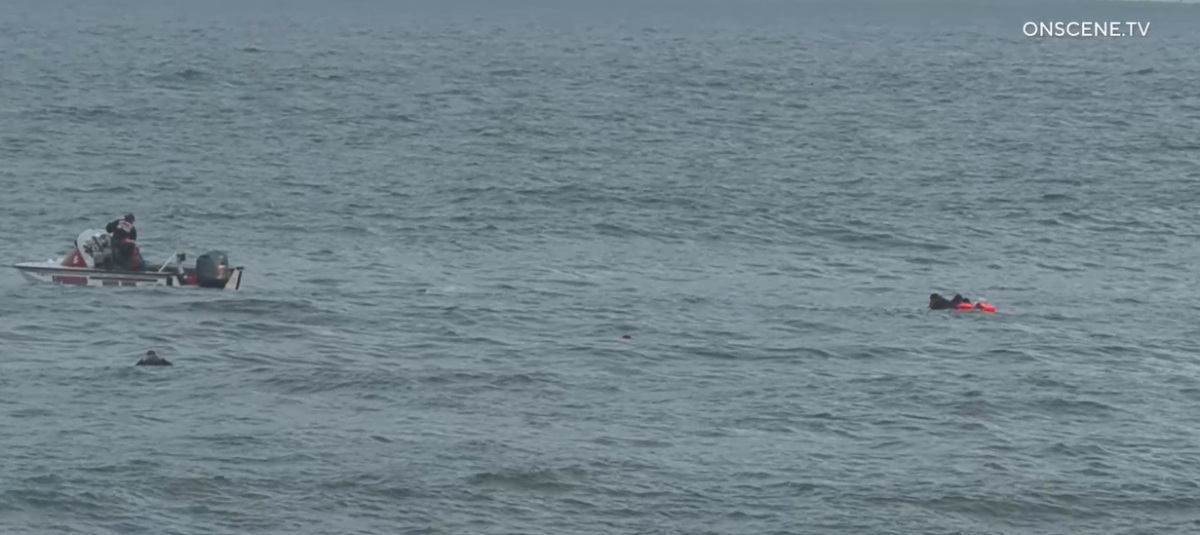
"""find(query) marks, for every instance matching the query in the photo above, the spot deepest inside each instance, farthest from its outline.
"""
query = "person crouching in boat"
(124, 239)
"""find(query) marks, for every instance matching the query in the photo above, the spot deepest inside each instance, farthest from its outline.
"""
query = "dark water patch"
(1057, 406)
(84, 114)
(186, 75)
(230, 440)
(61, 501)
(532, 479)
(320, 380)
(1035, 507)
(31, 412)
(251, 307)
(632, 443)
(98, 188)
(1059, 267)
(1010, 355)
(323, 282)
(132, 466)
(1043, 380)
(1058, 197)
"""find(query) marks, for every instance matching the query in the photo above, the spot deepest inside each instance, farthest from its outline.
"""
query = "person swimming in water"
(937, 302)
(152, 359)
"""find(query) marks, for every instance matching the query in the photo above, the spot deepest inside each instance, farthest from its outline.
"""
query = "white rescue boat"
(89, 263)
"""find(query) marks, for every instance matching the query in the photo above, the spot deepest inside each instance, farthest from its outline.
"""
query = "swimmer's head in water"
(152, 359)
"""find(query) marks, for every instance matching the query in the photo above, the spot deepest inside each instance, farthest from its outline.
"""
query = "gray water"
(452, 214)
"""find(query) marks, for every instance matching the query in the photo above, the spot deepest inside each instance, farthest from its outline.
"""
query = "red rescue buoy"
(978, 306)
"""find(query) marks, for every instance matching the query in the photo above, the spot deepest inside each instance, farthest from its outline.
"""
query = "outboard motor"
(212, 270)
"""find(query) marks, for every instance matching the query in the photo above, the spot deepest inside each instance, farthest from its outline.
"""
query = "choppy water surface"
(451, 214)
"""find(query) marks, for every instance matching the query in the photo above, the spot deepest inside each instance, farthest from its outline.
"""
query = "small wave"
(1075, 407)
(319, 380)
(250, 307)
(972, 407)
(1058, 197)
(506, 73)
(398, 118)
(501, 381)
(1044, 265)
(226, 439)
(189, 74)
(101, 113)
(998, 507)
(785, 354)
(106, 189)
(1009, 355)
(534, 479)
(373, 484)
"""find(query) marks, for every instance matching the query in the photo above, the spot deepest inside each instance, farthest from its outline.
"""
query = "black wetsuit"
(121, 250)
(118, 233)
(941, 303)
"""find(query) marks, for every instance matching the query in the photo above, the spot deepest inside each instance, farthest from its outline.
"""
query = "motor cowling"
(212, 270)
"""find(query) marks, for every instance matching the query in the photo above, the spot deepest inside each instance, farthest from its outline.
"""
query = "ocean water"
(534, 267)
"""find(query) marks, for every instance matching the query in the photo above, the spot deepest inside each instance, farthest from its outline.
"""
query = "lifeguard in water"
(958, 302)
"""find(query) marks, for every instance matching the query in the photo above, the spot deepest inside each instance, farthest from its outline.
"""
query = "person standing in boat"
(124, 242)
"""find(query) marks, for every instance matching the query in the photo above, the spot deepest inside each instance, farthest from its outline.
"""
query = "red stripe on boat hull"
(118, 282)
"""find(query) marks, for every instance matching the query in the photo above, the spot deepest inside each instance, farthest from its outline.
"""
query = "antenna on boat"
(174, 254)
